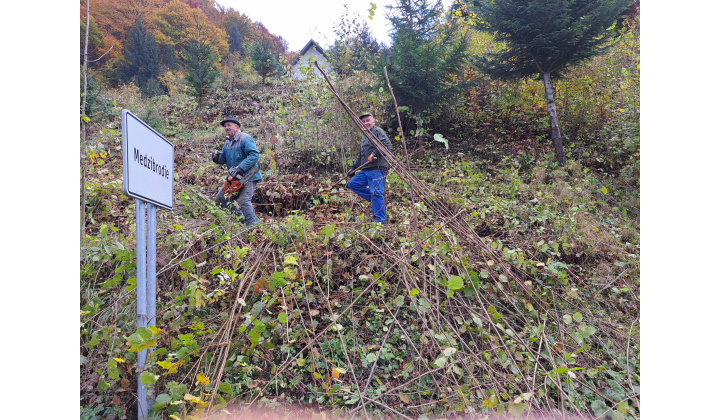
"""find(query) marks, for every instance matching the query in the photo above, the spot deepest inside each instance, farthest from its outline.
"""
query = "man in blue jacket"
(369, 183)
(239, 154)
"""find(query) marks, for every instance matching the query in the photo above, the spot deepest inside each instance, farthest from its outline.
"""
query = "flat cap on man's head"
(367, 114)
(230, 119)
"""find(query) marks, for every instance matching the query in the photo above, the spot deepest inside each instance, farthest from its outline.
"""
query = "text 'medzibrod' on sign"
(147, 162)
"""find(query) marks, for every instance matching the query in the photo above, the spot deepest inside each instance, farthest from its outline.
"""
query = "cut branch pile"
(280, 196)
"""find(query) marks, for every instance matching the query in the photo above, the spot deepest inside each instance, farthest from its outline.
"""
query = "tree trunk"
(554, 125)
(418, 132)
(83, 128)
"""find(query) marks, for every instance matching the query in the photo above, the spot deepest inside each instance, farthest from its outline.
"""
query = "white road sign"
(147, 162)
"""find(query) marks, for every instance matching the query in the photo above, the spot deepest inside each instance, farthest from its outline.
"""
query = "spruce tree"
(236, 41)
(426, 51)
(545, 38)
(141, 61)
(264, 59)
(199, 61)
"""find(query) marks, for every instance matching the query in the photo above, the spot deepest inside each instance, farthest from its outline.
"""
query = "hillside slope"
(525, 300)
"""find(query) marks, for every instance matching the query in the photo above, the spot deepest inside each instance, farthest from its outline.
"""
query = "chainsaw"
(233, 184)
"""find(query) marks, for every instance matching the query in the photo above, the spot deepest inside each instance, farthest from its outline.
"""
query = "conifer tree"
(426, 51)
(141, 61)
(199, 60)
(264, 59)
(545, 38)
(236, 40)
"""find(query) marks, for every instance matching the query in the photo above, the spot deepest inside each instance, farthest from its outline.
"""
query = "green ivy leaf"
(254, 336)
(141, 340)
(161, 402)
(187, 265)
(455, 283)
(148, 378)
(282, 317)
(225, 388)
(259, 326)
(103, 386)
(623, 407)
(577, 316)
(131, 283)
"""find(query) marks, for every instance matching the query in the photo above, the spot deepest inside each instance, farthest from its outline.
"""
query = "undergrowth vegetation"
(535, 309)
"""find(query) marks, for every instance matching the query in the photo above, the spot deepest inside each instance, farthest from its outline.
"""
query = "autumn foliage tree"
(95, 38)
(240, 29)
(105, 48)
(177, 23)
(181, 28)
(117, 17)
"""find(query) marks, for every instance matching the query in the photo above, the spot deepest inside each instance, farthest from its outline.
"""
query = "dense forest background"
(502, 168)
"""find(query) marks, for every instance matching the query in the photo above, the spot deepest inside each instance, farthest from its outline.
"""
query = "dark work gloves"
(215, 156)
(236, 171)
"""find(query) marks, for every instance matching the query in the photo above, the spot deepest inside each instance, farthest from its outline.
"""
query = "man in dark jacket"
(239, 154)
(369, 183)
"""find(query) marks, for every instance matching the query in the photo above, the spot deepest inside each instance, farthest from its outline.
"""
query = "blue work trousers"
(370, 185)
(243, 199)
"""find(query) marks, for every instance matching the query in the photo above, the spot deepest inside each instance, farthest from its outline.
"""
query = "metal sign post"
(142, 301)
(146, 288)
(148, 169)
